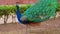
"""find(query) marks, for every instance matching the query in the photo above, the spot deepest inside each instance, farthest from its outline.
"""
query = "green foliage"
(4, 10)
(24, 8)
(9, 9)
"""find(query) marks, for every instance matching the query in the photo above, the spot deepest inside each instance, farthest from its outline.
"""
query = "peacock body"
(40, 11)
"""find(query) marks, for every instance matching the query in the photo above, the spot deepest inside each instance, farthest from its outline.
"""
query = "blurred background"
(8, 19)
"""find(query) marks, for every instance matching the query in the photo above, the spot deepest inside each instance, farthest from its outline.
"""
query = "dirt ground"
(47, 27)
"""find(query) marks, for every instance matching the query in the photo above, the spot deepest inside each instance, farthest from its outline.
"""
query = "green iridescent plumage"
(41, 11)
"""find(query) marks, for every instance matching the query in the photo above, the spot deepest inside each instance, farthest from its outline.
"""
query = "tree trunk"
(5, 19)
(13, 19)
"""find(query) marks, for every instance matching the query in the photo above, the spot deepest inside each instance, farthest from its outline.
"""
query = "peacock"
(39, 12)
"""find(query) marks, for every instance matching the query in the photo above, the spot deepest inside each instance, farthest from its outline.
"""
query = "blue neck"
(19, 15)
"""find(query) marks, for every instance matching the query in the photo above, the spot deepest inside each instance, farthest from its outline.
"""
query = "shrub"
(12, 9)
